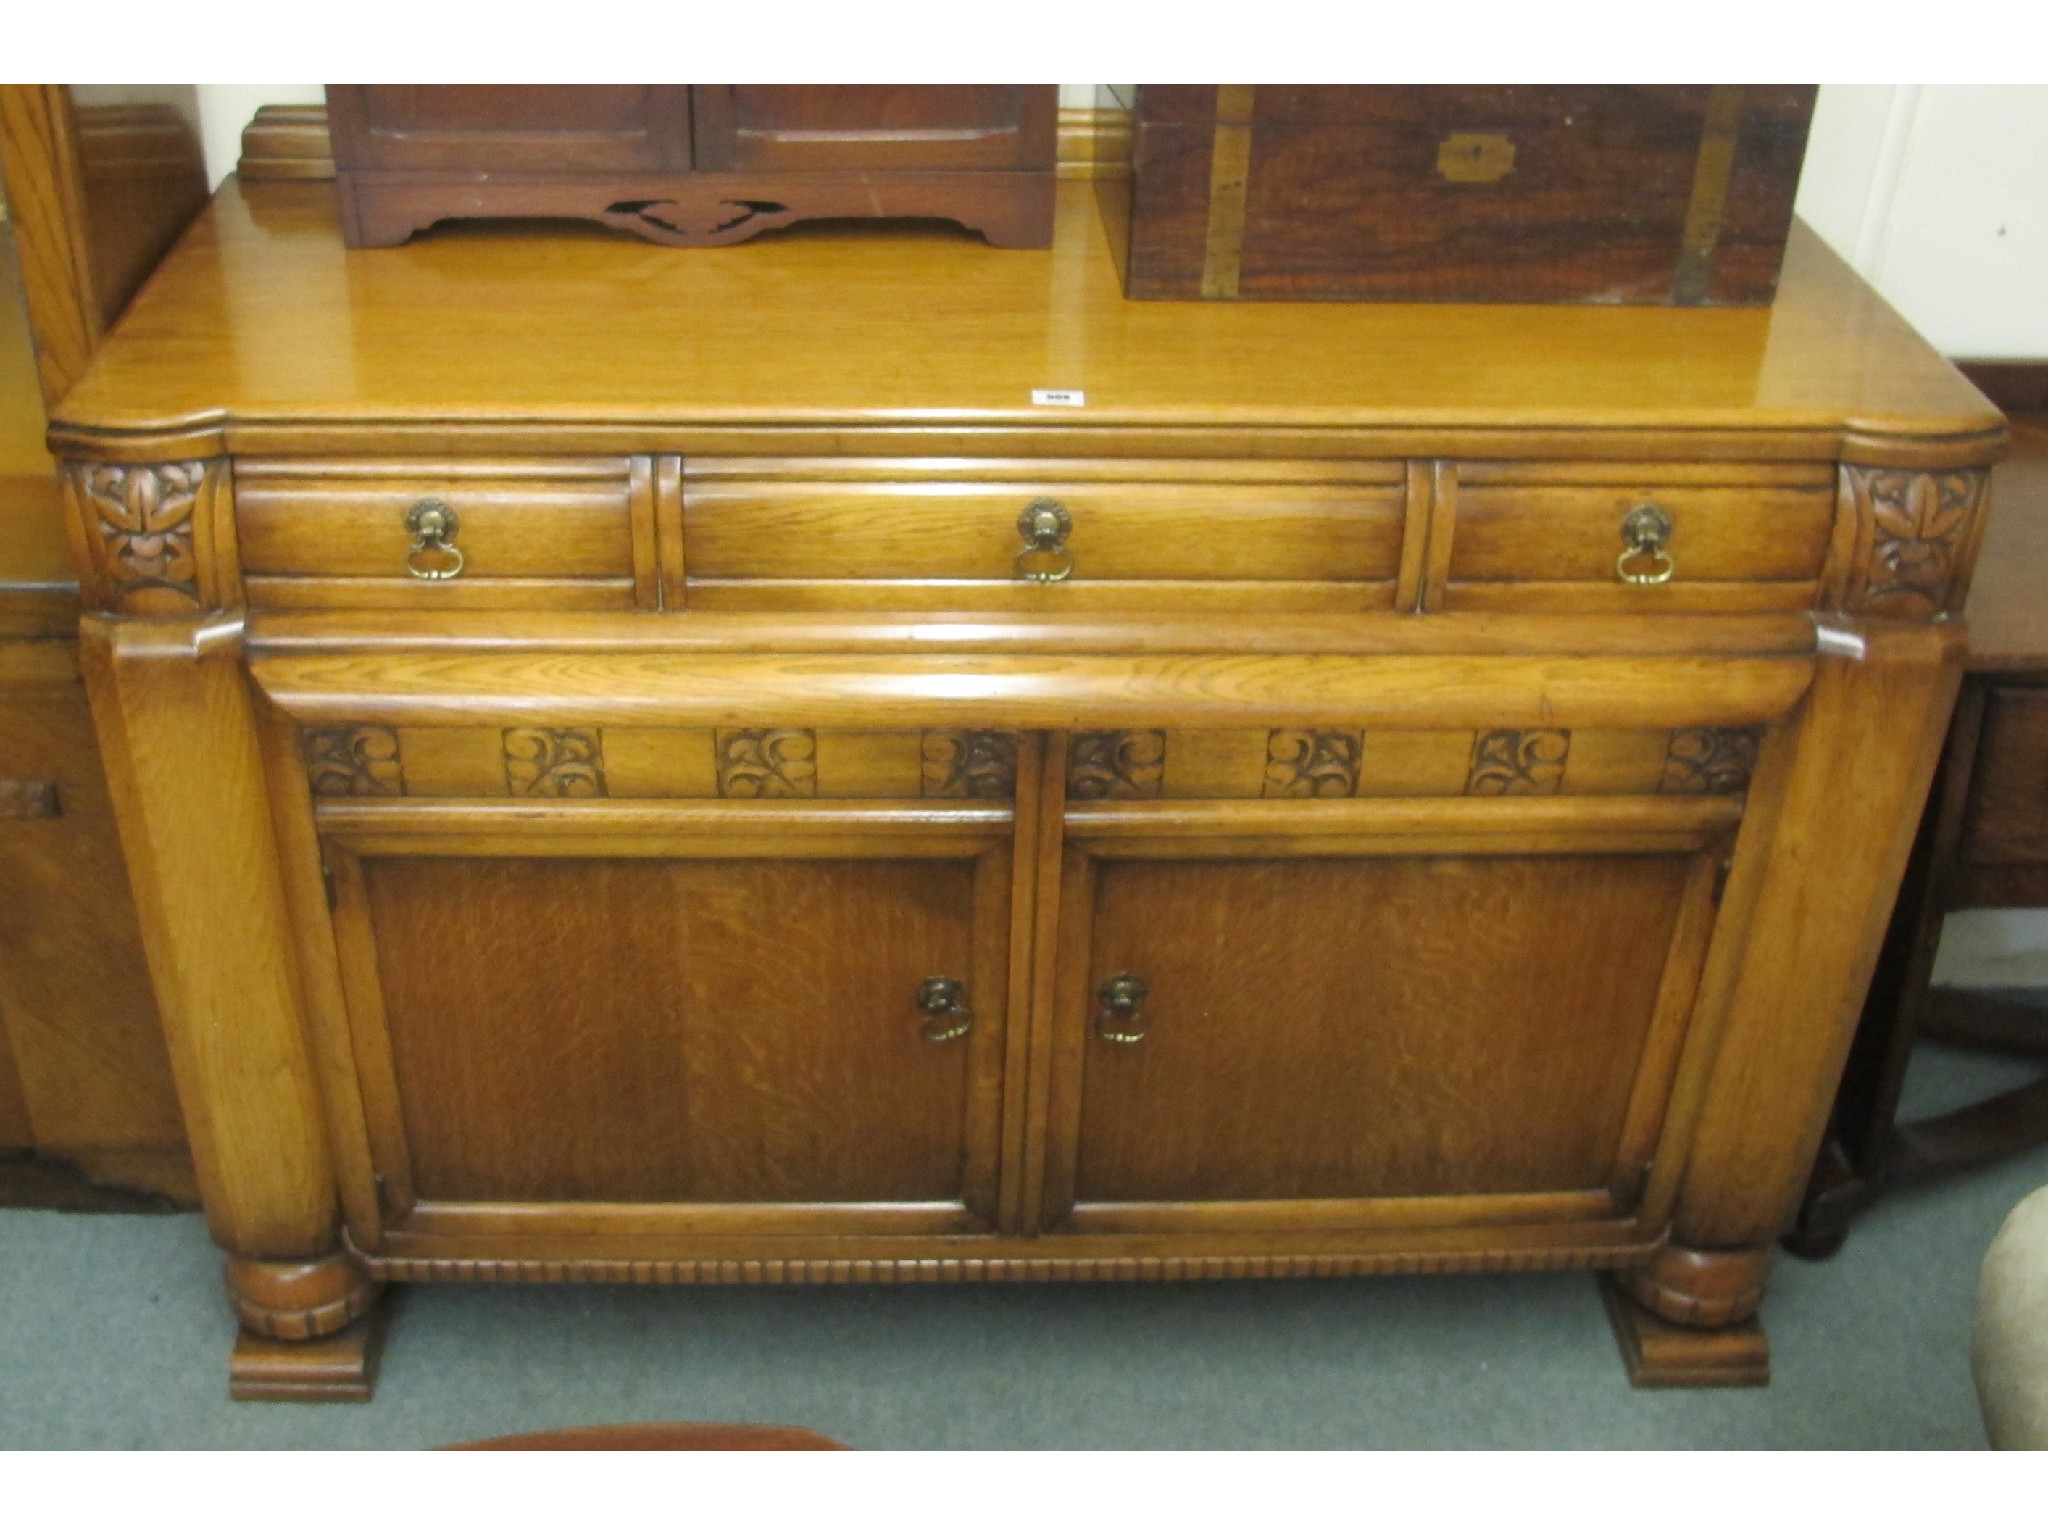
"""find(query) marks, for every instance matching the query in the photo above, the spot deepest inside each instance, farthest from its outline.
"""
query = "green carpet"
(114, 1333)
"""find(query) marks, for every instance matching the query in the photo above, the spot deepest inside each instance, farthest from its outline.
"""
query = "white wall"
(1939, 195)
(225, 110)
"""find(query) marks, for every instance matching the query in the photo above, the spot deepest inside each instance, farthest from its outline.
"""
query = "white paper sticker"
(1059, 397)
(1839, 642)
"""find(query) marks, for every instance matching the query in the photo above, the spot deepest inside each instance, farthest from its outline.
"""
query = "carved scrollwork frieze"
(1317, 763)
(145, 532)
(969, 765)
(353, 760)
(1710, 761)
(1518, 762)
(559, 763)
(1116, 765)
(1916, 534)
(767, 764)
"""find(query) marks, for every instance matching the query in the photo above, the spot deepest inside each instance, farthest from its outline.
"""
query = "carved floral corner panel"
(1916, 537)
(144, 532)
(559, 763)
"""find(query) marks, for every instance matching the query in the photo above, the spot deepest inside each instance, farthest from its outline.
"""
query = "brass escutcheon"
(943, 1002)
(1121, 1022)
(1645, 535)
(433, 526)
(1477, 157)
(1045, 525)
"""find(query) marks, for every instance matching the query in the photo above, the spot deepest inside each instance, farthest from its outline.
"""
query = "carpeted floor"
(113, 1333)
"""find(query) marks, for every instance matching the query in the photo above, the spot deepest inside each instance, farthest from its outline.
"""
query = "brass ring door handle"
(1122, 1021)
(943, 1002)
(1045, 525)
(1645, 559)
(433, 526)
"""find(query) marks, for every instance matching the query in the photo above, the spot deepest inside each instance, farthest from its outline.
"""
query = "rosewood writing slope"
(665, 766)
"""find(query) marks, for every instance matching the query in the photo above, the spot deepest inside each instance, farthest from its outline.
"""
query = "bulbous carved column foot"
(1687, 1318)
(310, 1331)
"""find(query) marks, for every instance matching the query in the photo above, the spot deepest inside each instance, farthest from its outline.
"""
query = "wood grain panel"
(32, 542)
(1416, 763)
(643, 762)
(717, 1030)
(453, 761)
(1077, 598)
(1029, 690)
(925, 343)
(1345, 1029)
(405, 594)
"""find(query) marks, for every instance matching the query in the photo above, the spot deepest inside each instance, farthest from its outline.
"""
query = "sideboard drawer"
(1638, 538)
(883, 533)
(550, 533)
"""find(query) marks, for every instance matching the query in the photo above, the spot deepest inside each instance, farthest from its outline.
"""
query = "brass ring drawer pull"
(943, 1002)
(1045, 525)
(433, 526)
(1645, 559)
(1121, 1022)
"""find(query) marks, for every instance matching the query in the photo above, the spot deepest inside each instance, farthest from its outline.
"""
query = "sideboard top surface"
(260, 316)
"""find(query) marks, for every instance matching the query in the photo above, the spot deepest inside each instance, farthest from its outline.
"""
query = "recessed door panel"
(546, 129)
(715, 1033)
(1379, 1015)
(1345, 1028)
(873, 127)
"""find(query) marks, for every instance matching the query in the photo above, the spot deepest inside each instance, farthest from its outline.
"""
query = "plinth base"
(1662, 1354)
(340, 1368)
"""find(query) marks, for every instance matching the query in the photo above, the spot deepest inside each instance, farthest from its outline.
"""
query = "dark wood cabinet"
(694, 164)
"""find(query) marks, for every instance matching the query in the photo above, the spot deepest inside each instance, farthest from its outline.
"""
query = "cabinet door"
(547, 129)
(730, 1018)
(1357, 1014)
(874, 127)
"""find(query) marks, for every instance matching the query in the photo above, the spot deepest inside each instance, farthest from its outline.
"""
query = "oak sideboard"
(866, 757)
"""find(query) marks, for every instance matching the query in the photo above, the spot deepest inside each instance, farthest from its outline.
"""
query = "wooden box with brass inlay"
(1590, 194)
(669, 808)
